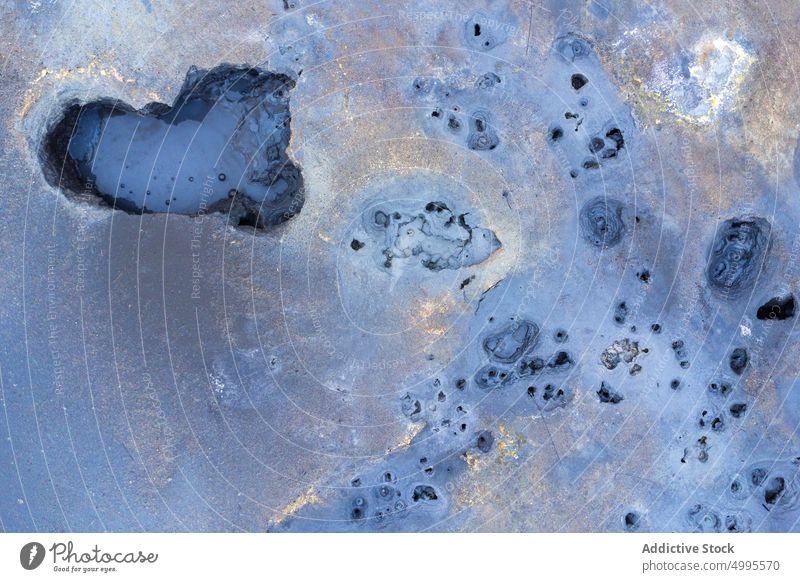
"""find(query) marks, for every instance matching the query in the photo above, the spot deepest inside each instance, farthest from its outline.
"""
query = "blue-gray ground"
(542, 279)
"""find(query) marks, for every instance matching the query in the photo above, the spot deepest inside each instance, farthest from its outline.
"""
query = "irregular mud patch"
(624, 350)
(737, 255)
(220, 147)
(435, 235)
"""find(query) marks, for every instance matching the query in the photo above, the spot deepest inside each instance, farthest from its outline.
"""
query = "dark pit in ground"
(779, 308)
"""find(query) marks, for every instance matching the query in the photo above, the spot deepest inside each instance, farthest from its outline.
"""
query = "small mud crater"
(601, 221)
(482, 135)
(737, 255)
(608, 395)
(510, 343)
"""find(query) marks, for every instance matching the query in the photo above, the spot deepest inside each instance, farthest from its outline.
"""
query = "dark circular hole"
(578, 81)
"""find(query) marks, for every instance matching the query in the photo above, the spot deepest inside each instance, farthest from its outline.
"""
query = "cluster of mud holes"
(221, 147)
(589, 150)
(387, 500)
(481, 133)
(513, 367)
(509, 351)
(770, 486)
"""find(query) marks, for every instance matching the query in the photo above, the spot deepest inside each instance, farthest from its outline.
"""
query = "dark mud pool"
(220, 147)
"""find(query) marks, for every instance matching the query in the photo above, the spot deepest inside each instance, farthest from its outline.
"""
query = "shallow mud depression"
(391, 266)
